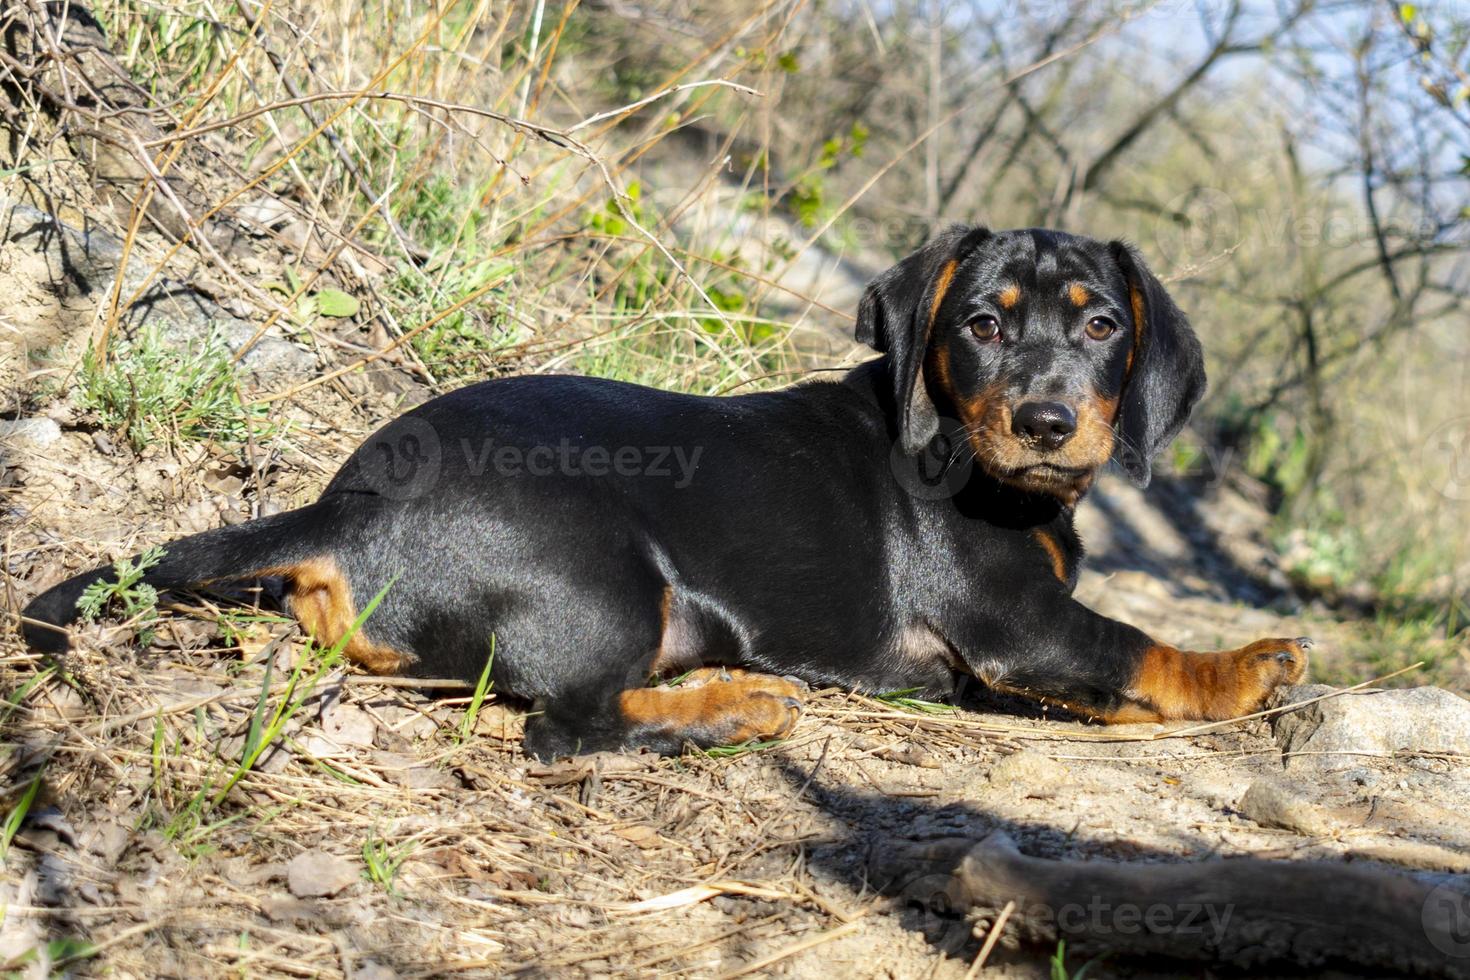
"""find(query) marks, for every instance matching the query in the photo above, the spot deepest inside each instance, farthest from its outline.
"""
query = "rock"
(287, 910)
(82, 265)
(1273, 803)
(78, 261)
(1031, 770)
(36, 433)
(317, 874)
(1422, 719)
(427, 777)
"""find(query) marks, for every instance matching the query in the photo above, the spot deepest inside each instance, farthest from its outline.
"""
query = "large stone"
(34, 433)
(80, 265)
(1339, 732)
(1274, 802)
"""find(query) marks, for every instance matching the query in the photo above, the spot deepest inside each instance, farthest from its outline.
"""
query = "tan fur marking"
(1053, 549)
(1175, 684)
(711, 707)
(941, 286)
(1179, 685)
(1093, 439)
(321, 600)
(1009, 297)
(937, 363)
(1078, 294)
(1135, 301)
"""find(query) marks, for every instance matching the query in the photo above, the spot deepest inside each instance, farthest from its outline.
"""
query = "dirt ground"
(397, 829)
(138, 860)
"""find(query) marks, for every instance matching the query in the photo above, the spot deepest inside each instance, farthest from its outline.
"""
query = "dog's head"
(1054, 352)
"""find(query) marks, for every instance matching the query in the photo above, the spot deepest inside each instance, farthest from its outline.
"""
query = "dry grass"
(488, 217)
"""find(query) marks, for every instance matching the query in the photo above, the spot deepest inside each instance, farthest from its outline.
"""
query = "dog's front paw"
(745, 707)
(1238, 682)
(1173, 684)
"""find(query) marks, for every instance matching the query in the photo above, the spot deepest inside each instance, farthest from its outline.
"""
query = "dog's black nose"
(1048, 424)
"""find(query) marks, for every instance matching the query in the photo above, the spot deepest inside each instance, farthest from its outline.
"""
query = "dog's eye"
(1100, 328)
(986, 328)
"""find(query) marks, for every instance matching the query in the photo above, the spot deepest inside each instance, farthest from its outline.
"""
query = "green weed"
(445, 218)
(17, 814)
(482, 687)
(466, 341)
(744, 748)
(57, 953)
(192, 826)
(383, 860)
(154, 390)
(13, 700)
(135, 599)
(1059, 964)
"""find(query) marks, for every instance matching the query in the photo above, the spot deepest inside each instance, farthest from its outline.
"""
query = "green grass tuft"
(17, 814)
(383, 860)
(152, 390)
(482, 687)
(905, 701)
(744, 748)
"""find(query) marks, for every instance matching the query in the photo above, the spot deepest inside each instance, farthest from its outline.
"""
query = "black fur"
(783, 528)
(1168, 375)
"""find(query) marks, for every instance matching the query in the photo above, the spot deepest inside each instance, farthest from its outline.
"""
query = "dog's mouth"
(1047, 477)
(1060, 474)
(1049, 473)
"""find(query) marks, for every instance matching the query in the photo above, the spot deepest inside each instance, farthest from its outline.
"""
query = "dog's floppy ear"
(1166, 369)
(895, 315)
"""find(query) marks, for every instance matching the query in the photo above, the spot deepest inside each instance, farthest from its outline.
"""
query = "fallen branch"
(1242, 913)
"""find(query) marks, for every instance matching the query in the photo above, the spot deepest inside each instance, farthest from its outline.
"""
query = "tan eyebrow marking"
(1009, 297)
(1078, 294)
(941, 286)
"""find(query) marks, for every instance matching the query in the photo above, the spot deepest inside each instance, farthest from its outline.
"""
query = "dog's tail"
(242, 551)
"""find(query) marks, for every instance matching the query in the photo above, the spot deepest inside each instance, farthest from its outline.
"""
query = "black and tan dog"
(906, 527)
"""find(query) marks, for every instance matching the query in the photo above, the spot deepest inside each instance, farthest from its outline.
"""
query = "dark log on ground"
(1243, 912)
